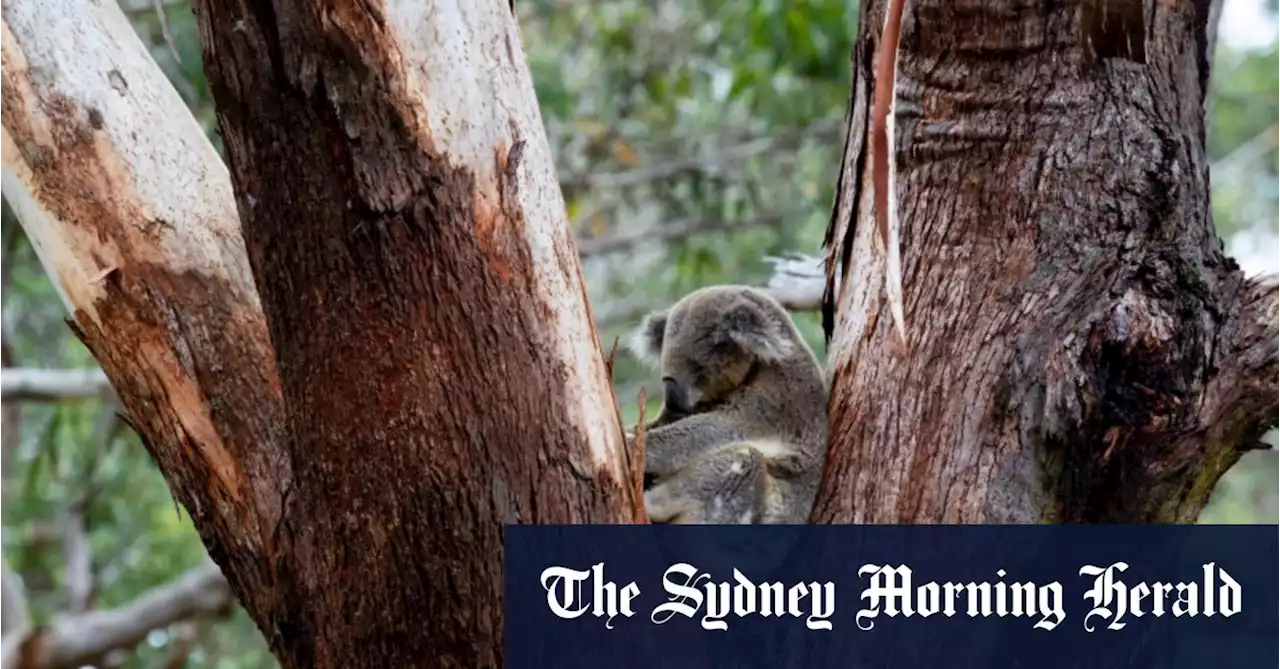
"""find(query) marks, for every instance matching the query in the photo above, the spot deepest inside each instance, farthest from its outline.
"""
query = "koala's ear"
(646, 342)
(752, 330)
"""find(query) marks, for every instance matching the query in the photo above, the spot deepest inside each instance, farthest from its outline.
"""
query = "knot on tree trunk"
(1149, 398)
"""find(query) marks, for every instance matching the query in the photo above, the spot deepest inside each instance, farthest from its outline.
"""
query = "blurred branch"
(623, 310)
(797, 282)
(10, 420)
(13, 607)
(678, 229)
(75, 640)
(8, 241)
(77, 555)
(159, 6)
(52, 385)
(727, 155)
(133, 7)
(76, 549)
(184, 639)
(1258, 346)
(1211, 31)
(1245, 154)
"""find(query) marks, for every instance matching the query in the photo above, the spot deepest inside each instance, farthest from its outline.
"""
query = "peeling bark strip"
(133, 217)
(440, 370)
(1082, 350)
(884, 165)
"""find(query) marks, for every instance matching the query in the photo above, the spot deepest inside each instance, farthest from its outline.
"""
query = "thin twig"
(158, 7)
(721, 158)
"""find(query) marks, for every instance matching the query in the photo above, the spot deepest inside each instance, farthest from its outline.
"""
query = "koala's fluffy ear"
(752, 330)
(646, 342)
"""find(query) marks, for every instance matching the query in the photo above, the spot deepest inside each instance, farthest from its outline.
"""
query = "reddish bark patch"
(160, 329)
(425, 399)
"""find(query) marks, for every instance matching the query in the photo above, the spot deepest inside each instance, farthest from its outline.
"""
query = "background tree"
(692, 141)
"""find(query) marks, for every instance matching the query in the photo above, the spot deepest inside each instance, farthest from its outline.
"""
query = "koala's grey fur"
(742, 435)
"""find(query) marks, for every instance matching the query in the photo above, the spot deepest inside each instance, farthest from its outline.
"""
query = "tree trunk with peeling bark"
(1079, 349)
(438, 371)
(133, 217)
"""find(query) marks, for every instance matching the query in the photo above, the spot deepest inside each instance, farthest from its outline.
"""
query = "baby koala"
(742, 435)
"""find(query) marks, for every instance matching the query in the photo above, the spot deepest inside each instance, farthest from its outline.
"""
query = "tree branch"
(721, 158)
(52, 385)
(1257, 357)
(78, 556)
(10, 414)
(797, 282)
(75, 640)
(1211, 29)
(677, 229)
(13, 608)
(184, 640)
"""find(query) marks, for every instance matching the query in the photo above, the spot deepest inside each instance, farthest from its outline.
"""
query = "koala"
(742, 434)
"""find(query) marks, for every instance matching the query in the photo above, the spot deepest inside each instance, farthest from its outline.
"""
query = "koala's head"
(708, 344)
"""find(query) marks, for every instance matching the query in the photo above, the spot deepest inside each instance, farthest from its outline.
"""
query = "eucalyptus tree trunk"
(1079, 347)
(440, 370)
(358, 365)
(133, 217)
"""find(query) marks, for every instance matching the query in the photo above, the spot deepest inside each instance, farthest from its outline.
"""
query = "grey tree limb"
(52, 385)
(74, 640)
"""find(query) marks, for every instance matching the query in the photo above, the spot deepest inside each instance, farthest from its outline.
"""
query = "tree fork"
(1081, 349)
(440, 370)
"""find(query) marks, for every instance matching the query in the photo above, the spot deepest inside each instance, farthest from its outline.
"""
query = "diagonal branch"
(723, 157)
(52, 385)
(1257, 354)
(75, 640)
(798, 281)
(78, 556)
(678, 229)
(185, 639)
(11, 418)
(13, 610)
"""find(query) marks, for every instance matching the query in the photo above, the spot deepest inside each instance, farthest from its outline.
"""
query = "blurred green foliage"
(721, 119)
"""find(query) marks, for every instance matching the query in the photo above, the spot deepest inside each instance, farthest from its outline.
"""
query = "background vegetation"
(694, 140)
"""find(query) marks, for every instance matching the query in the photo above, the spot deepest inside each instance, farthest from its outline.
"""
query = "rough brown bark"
(440, 372)
(1080, 349)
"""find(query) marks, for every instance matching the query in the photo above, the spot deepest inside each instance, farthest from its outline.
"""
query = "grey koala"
(742, 435)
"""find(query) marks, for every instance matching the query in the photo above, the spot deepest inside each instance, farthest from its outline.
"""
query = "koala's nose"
(673, 397)
(669, 386)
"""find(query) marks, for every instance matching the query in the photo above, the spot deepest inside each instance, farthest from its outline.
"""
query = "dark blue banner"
(906, 597)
